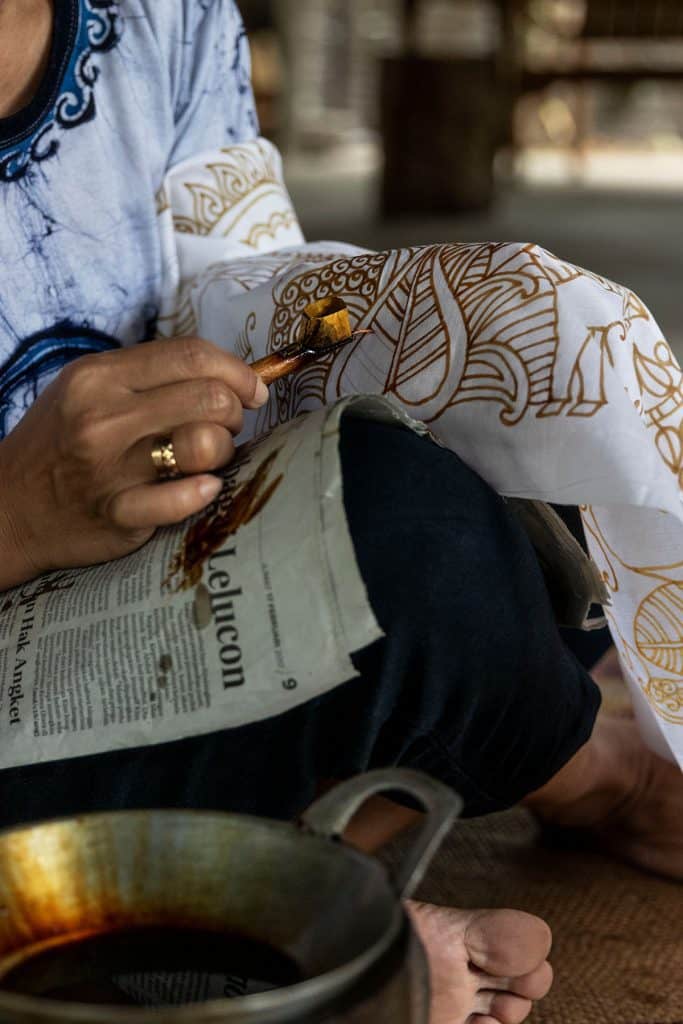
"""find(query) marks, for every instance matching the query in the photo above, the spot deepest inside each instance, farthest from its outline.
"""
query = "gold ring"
(163, 457)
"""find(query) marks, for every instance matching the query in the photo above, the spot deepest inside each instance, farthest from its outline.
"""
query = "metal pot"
(335, 912)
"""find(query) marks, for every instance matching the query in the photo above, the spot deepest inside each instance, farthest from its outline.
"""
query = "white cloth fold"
(552, 382)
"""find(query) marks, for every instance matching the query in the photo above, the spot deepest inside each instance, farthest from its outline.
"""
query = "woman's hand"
(77, 481)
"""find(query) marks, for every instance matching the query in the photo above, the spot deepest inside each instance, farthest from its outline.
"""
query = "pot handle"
(329, 816)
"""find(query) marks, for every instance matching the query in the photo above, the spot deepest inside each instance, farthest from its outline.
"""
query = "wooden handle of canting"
(326, 323)
(274, 367)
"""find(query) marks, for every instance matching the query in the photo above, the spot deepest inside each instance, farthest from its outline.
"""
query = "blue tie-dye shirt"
(133, 87)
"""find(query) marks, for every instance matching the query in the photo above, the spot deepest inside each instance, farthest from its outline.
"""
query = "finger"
(202, 447)
(150, 505)
(170, 361)
(161, 411)
(198, 448)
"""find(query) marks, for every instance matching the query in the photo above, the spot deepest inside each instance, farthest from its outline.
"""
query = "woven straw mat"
(618, 932)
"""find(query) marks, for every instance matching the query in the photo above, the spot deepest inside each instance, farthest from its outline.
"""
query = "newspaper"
(242, 613)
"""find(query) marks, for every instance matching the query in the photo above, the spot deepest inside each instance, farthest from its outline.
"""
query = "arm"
(210, 67)
(78, 485)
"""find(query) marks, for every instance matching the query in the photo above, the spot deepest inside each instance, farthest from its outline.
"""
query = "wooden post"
(441, 126)
(409, 28)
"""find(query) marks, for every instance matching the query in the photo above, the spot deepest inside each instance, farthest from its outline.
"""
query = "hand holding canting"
(77, 482)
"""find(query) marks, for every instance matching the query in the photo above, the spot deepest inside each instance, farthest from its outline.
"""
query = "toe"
(502, 1008)
(507, 943)
(535, 985)
(509, 1009)
(486, 967)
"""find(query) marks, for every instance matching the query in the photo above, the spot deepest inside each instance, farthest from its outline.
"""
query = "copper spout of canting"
(327, 328)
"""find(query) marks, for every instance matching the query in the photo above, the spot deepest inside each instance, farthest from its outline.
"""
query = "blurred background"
(555, 121)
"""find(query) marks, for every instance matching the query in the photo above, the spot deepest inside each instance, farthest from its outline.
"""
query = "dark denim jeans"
(473, 682)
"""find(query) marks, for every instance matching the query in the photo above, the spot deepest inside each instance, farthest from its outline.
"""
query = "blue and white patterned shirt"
(133, 87)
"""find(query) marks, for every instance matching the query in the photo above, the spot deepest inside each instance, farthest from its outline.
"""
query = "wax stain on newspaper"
(244, 612)
(233, 509)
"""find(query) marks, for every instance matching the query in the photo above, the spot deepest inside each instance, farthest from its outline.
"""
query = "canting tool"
(327, 328)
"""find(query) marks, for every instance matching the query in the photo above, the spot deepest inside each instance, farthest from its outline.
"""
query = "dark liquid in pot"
(153, 967)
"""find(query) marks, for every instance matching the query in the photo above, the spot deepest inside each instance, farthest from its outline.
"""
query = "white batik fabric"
(550, 381)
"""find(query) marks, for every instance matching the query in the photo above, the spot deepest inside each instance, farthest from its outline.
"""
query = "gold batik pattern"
(660, 386)
(222, 200)
(653, 653)
(181, 322)
(453, 324)
(236, 194)
(246, 274)
(553, 382)
(463, 323)
(162, 201)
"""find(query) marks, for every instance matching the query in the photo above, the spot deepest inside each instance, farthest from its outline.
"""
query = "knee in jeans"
(432, 538)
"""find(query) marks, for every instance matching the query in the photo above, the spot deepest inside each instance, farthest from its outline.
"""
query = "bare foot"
(647, 827)
(486, 966)
(608, 674)
(608, 668)
(624, 794)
